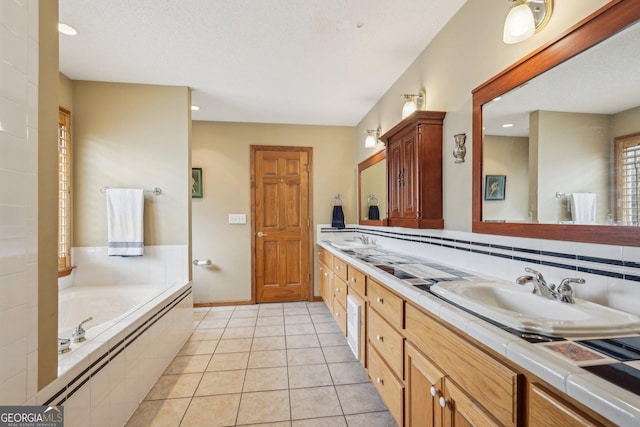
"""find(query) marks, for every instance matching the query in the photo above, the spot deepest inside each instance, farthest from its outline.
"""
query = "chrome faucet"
(64, 345)
(562, 293)
(364, 239)
(78, 332)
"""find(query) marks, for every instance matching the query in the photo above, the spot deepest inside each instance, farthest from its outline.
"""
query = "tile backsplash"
(612, 273)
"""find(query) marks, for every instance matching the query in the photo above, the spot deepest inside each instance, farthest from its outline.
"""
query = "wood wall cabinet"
(414, 171)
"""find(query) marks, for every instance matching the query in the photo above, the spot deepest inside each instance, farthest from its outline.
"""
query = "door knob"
(261, 234)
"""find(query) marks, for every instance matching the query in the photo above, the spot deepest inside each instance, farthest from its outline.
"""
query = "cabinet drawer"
(389, 387)
(340, 315)
(340, 291)
(546, 410)
(325, 257)
(340, 268)
(357, 280)
(386, 303)
(387, 341)
(482, 376)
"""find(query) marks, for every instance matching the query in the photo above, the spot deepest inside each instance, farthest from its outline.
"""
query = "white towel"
(125, 222)
(583, 208)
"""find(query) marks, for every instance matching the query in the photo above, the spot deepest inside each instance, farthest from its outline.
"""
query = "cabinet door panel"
(462, 411)
(389, 387)
(547, 410)
(394, 186)
(409, 178)
(386, 340)
(424, 384)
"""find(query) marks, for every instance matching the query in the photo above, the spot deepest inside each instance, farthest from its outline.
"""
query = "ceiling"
(323, 62)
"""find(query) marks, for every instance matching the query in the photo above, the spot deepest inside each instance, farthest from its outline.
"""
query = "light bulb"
(519, 25)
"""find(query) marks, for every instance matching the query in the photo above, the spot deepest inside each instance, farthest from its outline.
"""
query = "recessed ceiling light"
(194, 108)
(507, 125)
(497, 98)
(67, 29)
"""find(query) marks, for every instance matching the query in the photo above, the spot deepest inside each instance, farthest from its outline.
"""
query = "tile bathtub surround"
(286, 364)
(612, 273)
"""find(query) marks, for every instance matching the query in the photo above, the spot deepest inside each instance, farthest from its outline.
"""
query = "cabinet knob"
(326, 274)
(380, 381)
(337, 314)
(337, 267)
(353, 279)
(443, 402)
(379, 338)
(337, 289)
(379, 300)
(434, 391)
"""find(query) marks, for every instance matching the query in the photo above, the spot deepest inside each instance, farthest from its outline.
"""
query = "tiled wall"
(18, 207)
(612, 273)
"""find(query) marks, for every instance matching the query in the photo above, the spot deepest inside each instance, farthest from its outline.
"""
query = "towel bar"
(156, 191)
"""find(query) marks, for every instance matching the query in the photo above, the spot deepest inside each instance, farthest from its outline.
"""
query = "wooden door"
(424, 384)
(281, 223)
(394, 180)
(409, 178)
(460, 410)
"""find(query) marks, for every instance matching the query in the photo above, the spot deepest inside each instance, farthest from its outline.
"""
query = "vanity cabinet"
(414, 171)
(357, 289)
(546, 409)
(325, 277)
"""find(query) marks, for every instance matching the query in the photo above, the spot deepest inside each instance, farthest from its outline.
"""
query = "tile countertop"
(614, 403)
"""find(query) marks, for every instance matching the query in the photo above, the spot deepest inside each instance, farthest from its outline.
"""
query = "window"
(64, 192)
(628, 179)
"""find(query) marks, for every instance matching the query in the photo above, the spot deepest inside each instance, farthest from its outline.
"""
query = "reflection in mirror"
(569, 140)
(372, 185)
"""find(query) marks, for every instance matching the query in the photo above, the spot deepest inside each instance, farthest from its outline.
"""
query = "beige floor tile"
(297, 319)
(174, 386)
(264, 407)
(270, 312)
(188, 364)
(348, 373)
(267, 359)
(244, 313)
(247, 307)
(321, 422)
(371, 419)
(327, 340)
(219, 315)
(199, 315)
(301, 329)
(234, 345)
(318, 309)
(220, 382)
(269, 331)
(212, 411)
(268, 343)
(264, 379)
(223, 308)
(327, 328)
(206, 334)
(322, 318)
(201, 309)
(278, 424)
(341, 353)
(241, 322)
(295, 311)
(244, 332)
(270, 321)
(270, 305)
(159, 413)
(309, 376)
(359, 398)
(302, 341)
(228, 361)
(305, 356)
(198, 347)
(314, 402)
(212, 323)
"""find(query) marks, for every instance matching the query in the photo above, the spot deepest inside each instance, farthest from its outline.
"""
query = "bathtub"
(105, 304)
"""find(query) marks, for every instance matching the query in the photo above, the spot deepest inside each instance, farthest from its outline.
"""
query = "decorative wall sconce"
(459, 151)
(525, 18)
(413, 103)
(372, 138)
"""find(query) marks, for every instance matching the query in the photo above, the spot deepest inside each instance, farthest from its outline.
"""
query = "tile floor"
(264, 365)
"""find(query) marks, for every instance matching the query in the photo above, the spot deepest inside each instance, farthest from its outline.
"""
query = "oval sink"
(349, 244)
(518, 308)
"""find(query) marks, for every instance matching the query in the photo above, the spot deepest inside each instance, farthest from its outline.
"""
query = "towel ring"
(372, 200)
(337, 200)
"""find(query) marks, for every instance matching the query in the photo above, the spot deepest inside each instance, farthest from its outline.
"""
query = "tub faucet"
(562, 293)
(78, 331)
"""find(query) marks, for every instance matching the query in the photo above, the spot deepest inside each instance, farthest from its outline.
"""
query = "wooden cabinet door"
(326, 284)
(460, 410)
(409, 189)
(548, 410)
(394, 183)
(424, 383)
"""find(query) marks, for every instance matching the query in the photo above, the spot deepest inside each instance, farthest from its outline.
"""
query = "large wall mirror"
(372, 189)
(557, 137)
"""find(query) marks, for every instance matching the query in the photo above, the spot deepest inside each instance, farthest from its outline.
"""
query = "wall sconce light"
(372, 138)
(413, 103)
(525, 18)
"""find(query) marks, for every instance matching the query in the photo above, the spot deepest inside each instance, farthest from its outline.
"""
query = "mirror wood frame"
(368, 162)
(597, 27)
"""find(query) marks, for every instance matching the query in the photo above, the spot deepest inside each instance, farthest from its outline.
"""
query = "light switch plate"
(237, 218)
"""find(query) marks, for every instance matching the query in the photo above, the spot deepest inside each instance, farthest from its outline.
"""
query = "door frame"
(252, 169)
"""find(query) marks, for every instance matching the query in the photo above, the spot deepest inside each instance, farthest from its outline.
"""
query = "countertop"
(611, 401)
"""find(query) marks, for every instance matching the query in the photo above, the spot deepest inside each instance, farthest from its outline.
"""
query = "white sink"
(518, 308)
(349, 244)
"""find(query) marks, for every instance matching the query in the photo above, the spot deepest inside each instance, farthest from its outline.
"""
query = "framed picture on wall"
(196, 182)
(494, 187)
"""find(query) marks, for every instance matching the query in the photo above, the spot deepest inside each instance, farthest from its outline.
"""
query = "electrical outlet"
(237, 218)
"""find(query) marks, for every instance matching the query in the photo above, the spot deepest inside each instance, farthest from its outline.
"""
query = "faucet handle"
(536, 273)
(565, 291)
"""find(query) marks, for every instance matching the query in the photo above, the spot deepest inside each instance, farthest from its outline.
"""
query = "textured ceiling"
(271, 61)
